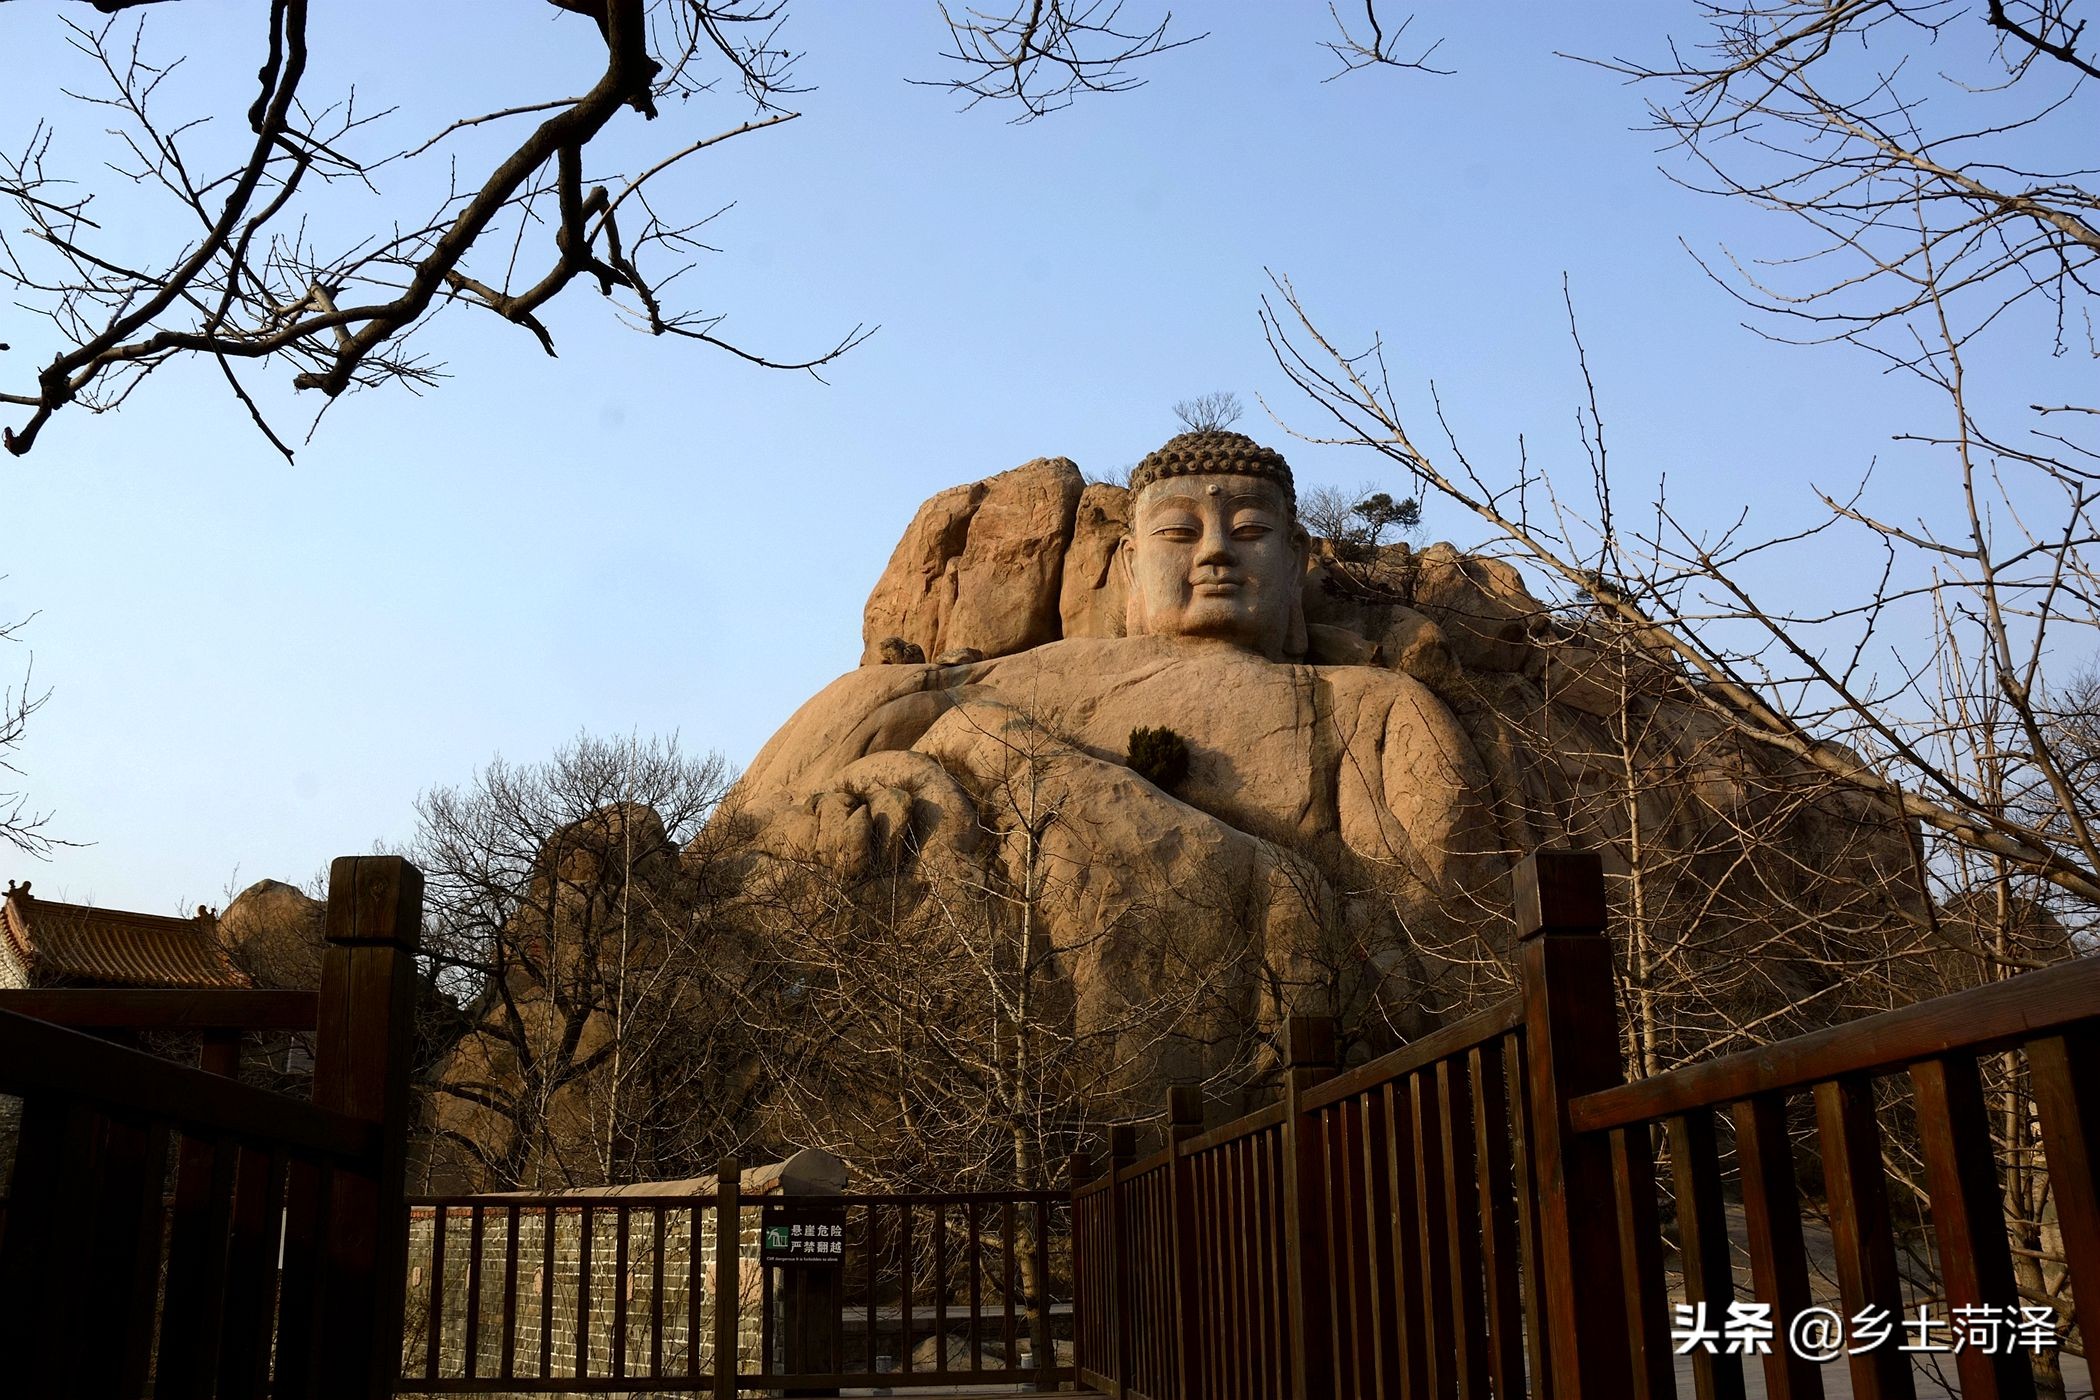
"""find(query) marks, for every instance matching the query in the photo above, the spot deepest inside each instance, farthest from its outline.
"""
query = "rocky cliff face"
(1346, 825)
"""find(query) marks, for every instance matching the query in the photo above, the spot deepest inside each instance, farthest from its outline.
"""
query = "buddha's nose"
(1217, 549)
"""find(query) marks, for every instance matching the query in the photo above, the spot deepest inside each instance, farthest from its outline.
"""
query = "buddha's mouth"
(1218, 587)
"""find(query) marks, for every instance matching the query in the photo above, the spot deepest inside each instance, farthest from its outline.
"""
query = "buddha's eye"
(1252, 525)
(1178, 528)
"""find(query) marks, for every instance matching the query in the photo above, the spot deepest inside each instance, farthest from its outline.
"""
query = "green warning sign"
(790, 1234)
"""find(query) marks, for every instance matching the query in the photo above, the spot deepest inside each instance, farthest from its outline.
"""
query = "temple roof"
(61, 944)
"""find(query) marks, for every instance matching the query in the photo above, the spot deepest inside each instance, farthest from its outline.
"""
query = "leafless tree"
(1209, 412)
(579, 935)
(1687, 594)
(923, 1016)
(1943, 221)
(1928, 154)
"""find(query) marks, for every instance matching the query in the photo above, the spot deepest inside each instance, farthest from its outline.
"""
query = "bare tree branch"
(255, 286)
(1041, 54)
(1378, 48)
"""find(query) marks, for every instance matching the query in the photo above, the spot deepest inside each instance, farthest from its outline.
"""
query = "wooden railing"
(1477, 1214)
(596, 1294)
(1363, 1236)
(1926, 1059)
(274, 1268)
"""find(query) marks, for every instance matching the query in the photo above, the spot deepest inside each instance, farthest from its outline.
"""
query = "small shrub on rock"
(1160, 756)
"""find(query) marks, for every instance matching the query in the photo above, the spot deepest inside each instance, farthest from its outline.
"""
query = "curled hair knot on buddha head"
(1215, 452)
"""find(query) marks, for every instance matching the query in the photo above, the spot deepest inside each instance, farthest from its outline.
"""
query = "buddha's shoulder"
(1103, 659)
(1056, 674)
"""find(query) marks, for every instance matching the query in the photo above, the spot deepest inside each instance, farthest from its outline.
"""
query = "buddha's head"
(1214, 548)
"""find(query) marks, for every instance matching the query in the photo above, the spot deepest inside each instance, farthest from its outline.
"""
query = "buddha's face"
(1217, 557)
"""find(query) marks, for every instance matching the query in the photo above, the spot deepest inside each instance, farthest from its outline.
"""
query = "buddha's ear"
(1133, 601)
(1296, 641)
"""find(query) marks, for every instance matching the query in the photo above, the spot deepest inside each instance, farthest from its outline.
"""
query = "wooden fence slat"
(1184, 1121)
(301, 1297)
(1498, 1217)
(435, 1325)
(1343, 1207)
(548, 1261)
(728, 1283)
(1439, 1339)
(940, 1290)
(1379, 1209)
(2065, 1072)
(1309, 1057)
(586, 1229)
(1041, 1339)
(694, 1286)
(1778, 1254)
(1968, 1217)
(1267, 1304)
(106, 1236)
(1219, 1185)
(1645, 1301)
(973, 1225)
(187, 1355)
(1702, 1245)
(472, 1329)
(1860, 1229)
(1009, 1329)
(1525, 1176)
(507, 1367)
(872, 1253)
(247, 1333)
(908, 1315)
(1240, 1259)
(190, 1318)
(1410, 1334)
(1462, 1207)
(42, 1274)
(658, 1222)
(136, 1321)
(622, 1221)
(767, 1335)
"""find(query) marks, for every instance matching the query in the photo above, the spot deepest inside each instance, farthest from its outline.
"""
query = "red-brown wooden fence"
(1476, 1214)
(614, 1294)
(110, 1288)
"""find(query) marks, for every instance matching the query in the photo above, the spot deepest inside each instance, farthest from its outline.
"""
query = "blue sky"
(254, 667)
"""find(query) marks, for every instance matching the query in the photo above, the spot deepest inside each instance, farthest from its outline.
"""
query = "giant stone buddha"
(1365, 763)
(1332, 820)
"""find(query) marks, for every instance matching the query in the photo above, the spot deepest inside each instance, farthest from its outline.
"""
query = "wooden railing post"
(363, 1036)
(729, 1289)
(1122, 1151)
(1184, 1121)
(1309, 1057)
(1571, 1026)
